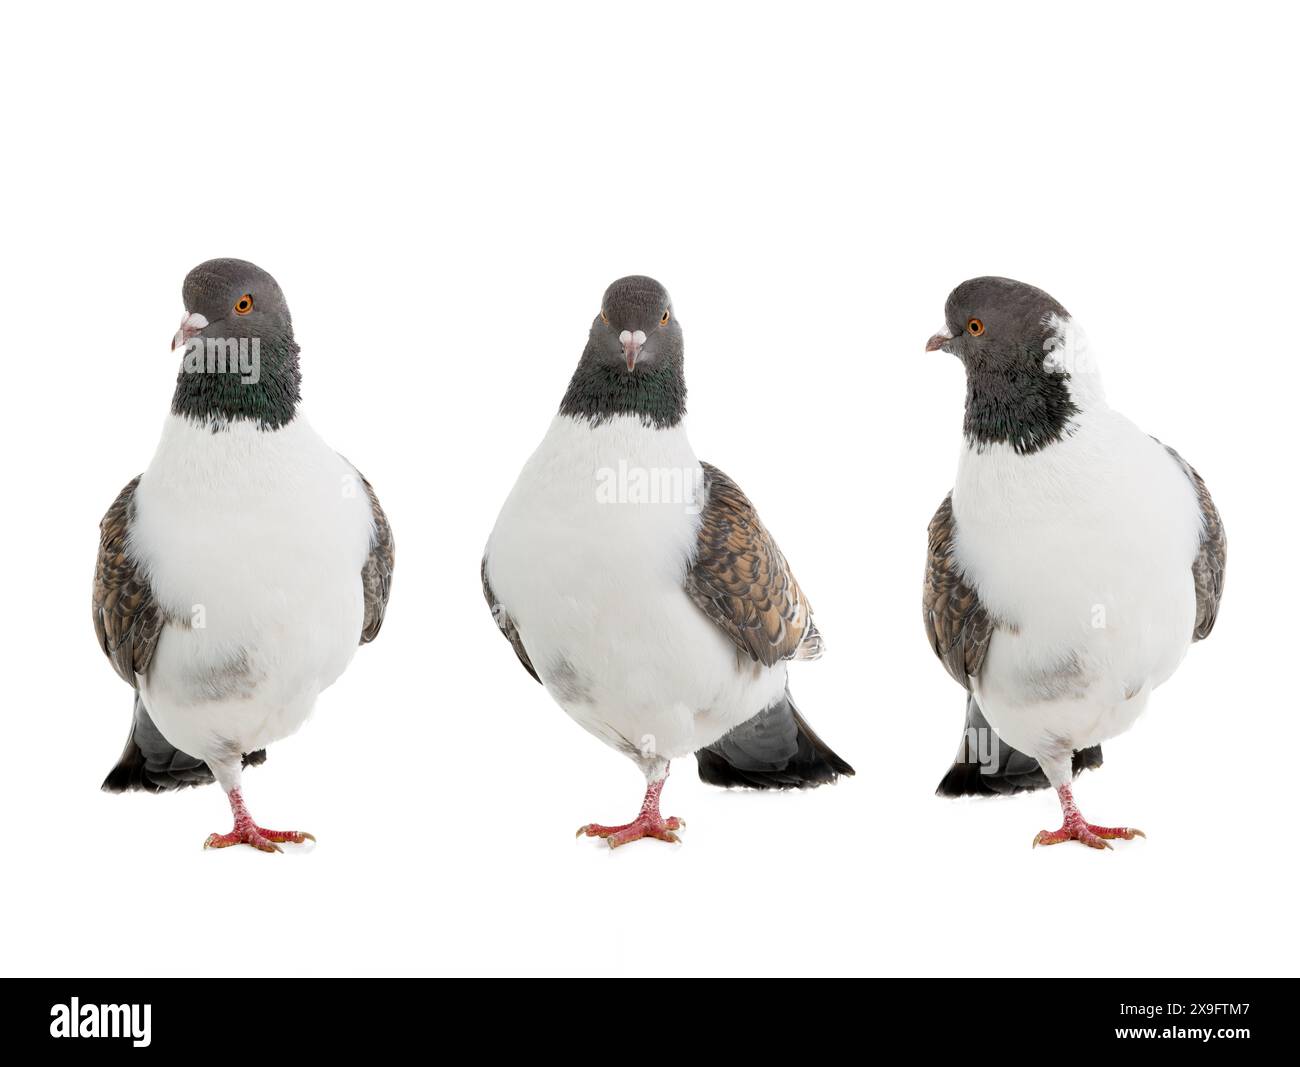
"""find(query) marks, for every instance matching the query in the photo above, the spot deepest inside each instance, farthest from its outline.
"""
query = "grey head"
(240, 359)
(633, 362)
(1004, 331)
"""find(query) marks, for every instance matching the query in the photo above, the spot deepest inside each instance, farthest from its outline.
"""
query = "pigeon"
(238, 574)
(639, 586)
(1071, 566)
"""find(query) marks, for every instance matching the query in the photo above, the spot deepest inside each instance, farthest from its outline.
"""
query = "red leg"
(649, 823)
(247, 832)
(1074, 828)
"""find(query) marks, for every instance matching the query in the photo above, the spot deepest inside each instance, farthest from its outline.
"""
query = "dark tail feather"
(1004, 771)
(150, 763)
(775, 749)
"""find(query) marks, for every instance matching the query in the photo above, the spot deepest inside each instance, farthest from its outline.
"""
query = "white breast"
(253, 542)
(589, 559)
(1083, 551)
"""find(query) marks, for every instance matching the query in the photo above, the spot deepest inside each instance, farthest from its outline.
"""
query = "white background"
(444, 198)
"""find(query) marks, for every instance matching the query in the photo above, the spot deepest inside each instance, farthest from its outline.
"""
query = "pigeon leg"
(1075, 828)
(247, 832)
(649, 823)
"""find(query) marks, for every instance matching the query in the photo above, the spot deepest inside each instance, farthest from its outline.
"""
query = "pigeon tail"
(151, 764)
(988, 767)
(775, 749)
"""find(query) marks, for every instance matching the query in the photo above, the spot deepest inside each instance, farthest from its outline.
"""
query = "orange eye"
(244, 304)
(603, 317)
(663, 319)
(975, 327)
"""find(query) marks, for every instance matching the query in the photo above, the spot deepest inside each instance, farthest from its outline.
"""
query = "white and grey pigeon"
(238, 574)
(661, 619)
(1071, 566)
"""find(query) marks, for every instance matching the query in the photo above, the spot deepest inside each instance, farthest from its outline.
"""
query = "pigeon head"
(1019, 348)
(232, 298)
(997, 322)
(240, 359)
(633, 362)
(636, 327)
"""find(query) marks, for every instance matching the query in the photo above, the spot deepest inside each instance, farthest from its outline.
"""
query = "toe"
(257, 839)
(1117, 833)
(292, 837)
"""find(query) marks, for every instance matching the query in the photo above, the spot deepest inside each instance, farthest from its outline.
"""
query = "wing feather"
(377, 574)
(127, 620)
(741, 581)
(956, 623)
(1211, 563)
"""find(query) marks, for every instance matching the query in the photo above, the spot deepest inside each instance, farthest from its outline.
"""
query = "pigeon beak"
(632, 343)
(190, 325)
(938, 341)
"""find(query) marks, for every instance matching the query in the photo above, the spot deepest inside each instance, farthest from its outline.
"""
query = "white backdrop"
(443, 198)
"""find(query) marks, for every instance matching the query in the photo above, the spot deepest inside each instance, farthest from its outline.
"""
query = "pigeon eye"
(663, 319)
(975, 327)
(244, 304)
(603, 317)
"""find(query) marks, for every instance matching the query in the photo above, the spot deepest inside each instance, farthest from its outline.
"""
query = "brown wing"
(958, 626)
(377, 574)
(741, 581)
(505, 623)
(127, 620)
(1211, 560)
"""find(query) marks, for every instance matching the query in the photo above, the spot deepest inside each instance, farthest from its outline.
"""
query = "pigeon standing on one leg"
(661, 619)
(237, 575)
(1073, 563)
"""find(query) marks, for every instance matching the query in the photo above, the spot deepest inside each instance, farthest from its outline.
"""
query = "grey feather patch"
(776, 749)
(151, 763)
(569, 686)
(377, 574)
(1211, 563)
(504, 623)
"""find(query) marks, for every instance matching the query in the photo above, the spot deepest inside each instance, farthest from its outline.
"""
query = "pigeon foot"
(1092, 836)
(659, 828)
(261, 839)
(649, 823)
(1075, 828)
(247, 832)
